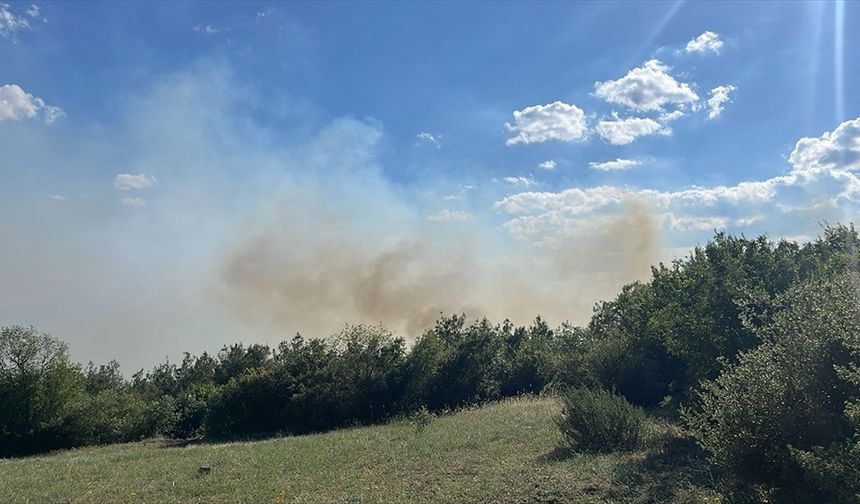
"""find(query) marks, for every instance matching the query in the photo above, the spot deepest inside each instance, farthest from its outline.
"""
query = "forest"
(750, 344)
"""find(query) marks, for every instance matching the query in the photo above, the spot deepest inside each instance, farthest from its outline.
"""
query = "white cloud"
(823, 183)
(687, 223)
(749, 221)
(521, 181)
(666, 117)
(450, 215)
(57, 197)
(11, 23)
(618, 164)
(427, 138)
(127, 181)
(624, 131)
(547, 165)
(33, 11)
(16, 104)
(719, 97)
(133, 202)
(837, 150)
(555, 121)
(573, 200)
(704, 43)
(209, 29)
(646, 88)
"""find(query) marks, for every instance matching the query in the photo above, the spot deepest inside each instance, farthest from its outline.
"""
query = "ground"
(502, 452)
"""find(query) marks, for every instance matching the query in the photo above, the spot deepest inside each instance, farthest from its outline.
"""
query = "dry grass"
(503, 452)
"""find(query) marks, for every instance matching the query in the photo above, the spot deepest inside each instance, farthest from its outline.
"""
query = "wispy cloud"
(11, 23)
(133, 202)
(127, 181)
(450, 215)
(719, 97)
(424, 138)
(520, 181)
(209, 29)
(618, 164)
(547, 165)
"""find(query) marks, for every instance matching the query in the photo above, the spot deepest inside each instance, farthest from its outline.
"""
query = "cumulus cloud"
(821, 184)
(649, 87)
(16, 104)
(128, 181)
(133, 202)
(555, 121)
(719, 97)
(705, 43)
(618, 164)
(547, 165)
(450, 215)
(832, 151)
(427, 138)
(619, 131)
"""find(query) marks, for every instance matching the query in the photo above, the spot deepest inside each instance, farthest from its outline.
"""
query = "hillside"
(502, 452)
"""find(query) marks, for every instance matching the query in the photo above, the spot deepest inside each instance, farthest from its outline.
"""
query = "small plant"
(420, 419)
(600, 421)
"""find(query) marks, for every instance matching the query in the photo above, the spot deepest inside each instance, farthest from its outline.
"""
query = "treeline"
(363, 374)
(754, 345)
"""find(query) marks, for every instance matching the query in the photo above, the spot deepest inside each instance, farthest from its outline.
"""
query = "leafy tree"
(786, 397)
(38, 386)
(101, 378)
(622, 352)
(236, 359)
(367, 372)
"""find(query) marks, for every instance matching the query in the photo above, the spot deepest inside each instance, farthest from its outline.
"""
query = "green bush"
(115, 416)
(420, 419)
(777, 416)
(600, 421)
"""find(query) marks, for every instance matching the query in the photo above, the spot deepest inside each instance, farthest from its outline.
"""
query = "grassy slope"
(503, 452)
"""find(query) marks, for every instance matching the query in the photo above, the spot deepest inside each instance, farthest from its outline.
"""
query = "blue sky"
(176, 176)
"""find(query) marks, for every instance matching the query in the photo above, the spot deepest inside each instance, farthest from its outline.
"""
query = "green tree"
(786, 398)
(38, 387)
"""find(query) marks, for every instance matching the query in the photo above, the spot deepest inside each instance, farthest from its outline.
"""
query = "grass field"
(502, 452)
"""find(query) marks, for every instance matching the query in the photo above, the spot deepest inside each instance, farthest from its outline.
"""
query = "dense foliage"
(756, 342)
(363, 374)
(778, 416)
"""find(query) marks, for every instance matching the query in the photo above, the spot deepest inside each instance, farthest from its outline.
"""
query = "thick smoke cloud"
(251, 235)
(341, 246)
